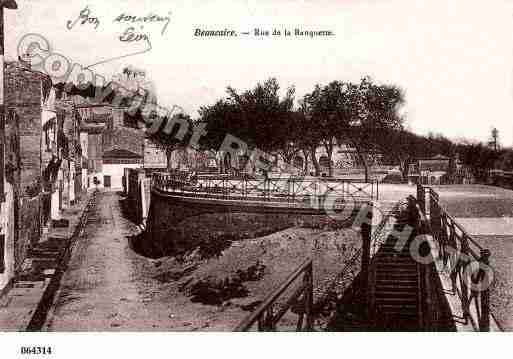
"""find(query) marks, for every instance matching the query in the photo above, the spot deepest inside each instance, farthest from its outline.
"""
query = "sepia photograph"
(254, 166)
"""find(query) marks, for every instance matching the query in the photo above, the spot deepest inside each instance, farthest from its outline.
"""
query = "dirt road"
(108, 287)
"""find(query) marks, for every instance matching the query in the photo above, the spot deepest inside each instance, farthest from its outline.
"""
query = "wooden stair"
(396, 291)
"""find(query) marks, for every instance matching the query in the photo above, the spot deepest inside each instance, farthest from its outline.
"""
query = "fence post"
(484, 321)
(308, 277)
(421, 197)
(435, 216)
(366, 229)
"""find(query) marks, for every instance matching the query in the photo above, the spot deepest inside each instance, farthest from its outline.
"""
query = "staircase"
(393, 291)
(396, 293)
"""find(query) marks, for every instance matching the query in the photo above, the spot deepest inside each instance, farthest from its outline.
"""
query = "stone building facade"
(43, 163)
(25, 93)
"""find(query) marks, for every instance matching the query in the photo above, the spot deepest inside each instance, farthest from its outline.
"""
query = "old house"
(112, 146)
(430, 170)
(43, 162)
(26, 91)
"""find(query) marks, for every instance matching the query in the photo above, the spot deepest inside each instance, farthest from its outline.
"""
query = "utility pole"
(7, 4)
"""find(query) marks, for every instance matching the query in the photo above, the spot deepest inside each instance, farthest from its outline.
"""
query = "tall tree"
(171, 139)
(259, 117)
(355, 113)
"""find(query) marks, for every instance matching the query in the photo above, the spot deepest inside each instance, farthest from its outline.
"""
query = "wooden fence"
(267, 316)
(467, 261)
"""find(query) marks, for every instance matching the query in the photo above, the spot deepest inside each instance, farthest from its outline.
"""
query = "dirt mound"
(253, 268)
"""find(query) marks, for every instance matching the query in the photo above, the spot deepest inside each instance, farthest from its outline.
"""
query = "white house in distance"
(115, 161)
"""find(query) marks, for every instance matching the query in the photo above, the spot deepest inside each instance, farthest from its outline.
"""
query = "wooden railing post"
(484, 321)
(465, 290)
(421, 197)
(308, 295)
(366, 230)
(435, 217)
(265, 316)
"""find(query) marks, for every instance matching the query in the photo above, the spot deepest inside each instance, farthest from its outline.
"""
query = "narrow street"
(108, 287)
(98, 290)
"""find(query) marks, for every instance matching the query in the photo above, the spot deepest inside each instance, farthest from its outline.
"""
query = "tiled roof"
(120, 153)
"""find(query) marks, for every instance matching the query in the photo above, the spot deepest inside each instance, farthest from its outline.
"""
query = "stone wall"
(29, 228)
(7, 230)
(175, 227)
(25, 91)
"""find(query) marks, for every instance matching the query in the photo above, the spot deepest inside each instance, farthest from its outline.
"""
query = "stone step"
(399, 280)
(397, 308)
(397, 301)
(31, 277)
(400, 293)
(397, 260)
(396, 268)
(43, 252)
(38, 263)
(397, 286)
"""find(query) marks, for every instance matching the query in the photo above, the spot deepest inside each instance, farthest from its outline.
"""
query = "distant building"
(113, 143)
(432, 170)
(154, 157)
(115, 161)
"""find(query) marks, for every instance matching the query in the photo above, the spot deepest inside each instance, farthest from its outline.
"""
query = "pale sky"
(454, 59)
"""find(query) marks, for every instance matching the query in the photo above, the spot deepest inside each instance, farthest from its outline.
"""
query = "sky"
(453, 59)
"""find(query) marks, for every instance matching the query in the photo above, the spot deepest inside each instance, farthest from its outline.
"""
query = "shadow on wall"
(208, 234)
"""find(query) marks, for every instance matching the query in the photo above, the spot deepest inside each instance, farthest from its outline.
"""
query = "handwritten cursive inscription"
(150, 18)
(131, 35)
(84, 18)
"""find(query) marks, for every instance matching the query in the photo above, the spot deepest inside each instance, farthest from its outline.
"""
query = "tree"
(354, 113)
(478, 157)
(505, 160)
(257, 116)
(171, 139)
(328, 114)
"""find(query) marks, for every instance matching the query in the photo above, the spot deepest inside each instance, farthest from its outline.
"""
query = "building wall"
(116, 172)
(84, 143)
(24, 90)
(25, 94)
(30, 129)
(7, 229)
(118, 117)
(123, 138)
(29, 227)
(95, 153)
(154, 157)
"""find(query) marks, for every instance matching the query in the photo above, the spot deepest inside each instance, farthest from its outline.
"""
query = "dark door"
(106, 181)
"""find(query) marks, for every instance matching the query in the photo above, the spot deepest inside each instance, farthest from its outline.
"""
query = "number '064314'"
(35, 350)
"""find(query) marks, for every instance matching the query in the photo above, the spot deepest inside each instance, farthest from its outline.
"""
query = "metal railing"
(268, 314)
(293, 189)
(465, 259)
(382, 230)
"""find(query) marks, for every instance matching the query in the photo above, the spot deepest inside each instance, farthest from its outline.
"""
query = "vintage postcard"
(244, 166)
